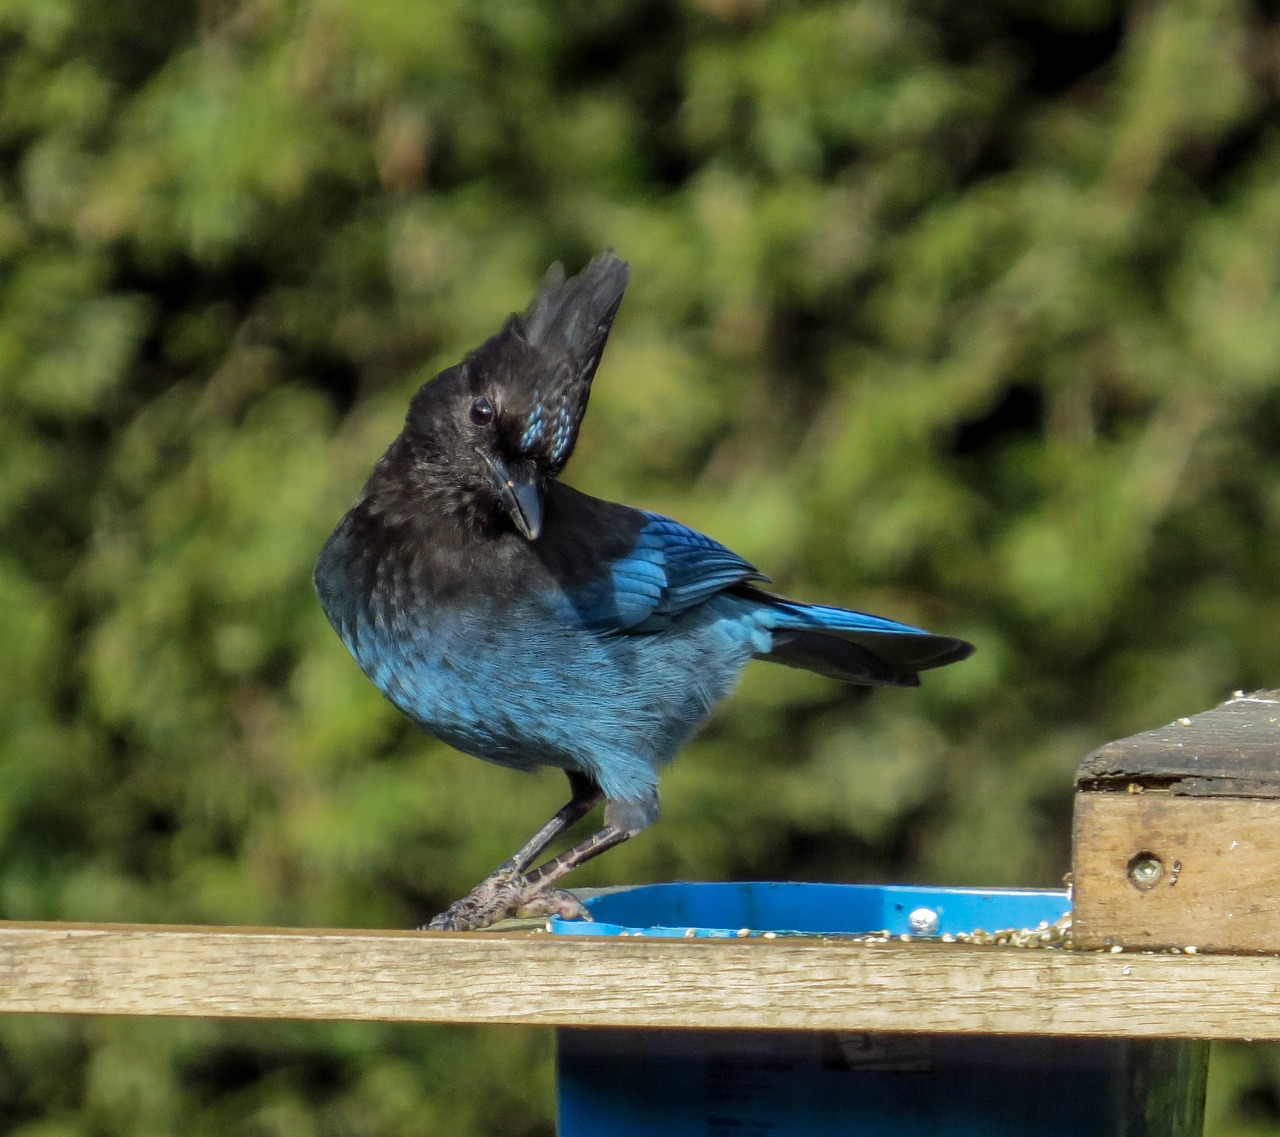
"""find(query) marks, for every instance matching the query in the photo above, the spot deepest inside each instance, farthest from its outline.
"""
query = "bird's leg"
(529, 894)
(491, 899)
(602, 840)
(622, 821)
(586, 796)
(513, 892)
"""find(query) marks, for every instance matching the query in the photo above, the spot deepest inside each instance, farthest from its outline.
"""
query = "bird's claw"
(554, 902)
(502, 896)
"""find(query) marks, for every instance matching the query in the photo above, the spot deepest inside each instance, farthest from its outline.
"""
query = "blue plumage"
(667, 570)
(532, 625)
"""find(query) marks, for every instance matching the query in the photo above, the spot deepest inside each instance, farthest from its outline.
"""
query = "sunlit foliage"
(964, 313)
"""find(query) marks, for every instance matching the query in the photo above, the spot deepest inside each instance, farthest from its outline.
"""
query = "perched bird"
(531, 625)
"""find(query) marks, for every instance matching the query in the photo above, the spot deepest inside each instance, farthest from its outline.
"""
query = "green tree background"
(964, 313)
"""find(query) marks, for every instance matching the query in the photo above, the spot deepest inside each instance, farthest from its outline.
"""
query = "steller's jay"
(531, 625)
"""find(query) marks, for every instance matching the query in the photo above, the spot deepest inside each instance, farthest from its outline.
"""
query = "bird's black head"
(506, 418)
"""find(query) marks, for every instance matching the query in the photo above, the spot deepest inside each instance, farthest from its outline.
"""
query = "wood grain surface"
(541, 979)
(1231, 750)
(1217, 873)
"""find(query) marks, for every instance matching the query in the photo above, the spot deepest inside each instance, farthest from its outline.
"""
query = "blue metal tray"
(788, 908)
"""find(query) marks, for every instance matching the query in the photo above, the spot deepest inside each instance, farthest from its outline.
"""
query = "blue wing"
(668, 570)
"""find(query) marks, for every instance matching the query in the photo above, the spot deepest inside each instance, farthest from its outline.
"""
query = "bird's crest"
(566, 326)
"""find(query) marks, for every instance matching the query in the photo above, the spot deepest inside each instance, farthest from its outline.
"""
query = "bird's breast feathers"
(552, 672)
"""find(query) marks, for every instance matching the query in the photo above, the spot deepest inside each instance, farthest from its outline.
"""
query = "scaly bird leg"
(493, 899)
(514, 892)
(510, 893)
(602, 840)
(586, 796)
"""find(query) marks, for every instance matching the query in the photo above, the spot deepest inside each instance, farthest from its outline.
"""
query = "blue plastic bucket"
(695, 1083)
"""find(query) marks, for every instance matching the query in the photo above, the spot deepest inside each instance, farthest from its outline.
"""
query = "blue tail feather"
(793, 614)
(855, 647)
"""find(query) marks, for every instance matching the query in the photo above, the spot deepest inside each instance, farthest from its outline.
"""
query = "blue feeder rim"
(719, 910)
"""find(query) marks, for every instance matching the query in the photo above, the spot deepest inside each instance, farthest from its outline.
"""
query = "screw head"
(1145, 871)
(923, 922)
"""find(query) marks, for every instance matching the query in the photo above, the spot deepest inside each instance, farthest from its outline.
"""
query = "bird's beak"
(520, 493)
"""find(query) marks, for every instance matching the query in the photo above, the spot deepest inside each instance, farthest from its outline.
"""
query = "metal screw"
(923, 922)
(1145, 871)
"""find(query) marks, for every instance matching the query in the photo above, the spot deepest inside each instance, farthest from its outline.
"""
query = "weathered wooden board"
(1153, 870)
(1177, 833)
(1232, 750)
(797, 984)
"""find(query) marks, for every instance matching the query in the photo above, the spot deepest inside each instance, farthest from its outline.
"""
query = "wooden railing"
(1228, 758)
(799, 984)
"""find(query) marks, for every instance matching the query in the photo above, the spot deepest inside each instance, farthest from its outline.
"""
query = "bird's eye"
(482, 412)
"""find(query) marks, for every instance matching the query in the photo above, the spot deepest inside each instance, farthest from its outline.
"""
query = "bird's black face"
(463, 433)
(485, 436)
(514, 478)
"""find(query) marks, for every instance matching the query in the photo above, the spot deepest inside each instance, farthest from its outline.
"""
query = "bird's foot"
(504, 895)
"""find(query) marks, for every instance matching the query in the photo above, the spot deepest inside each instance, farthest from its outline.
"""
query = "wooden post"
(1177, 834)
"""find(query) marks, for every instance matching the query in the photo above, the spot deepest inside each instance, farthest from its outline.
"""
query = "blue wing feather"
(696, 566)
(669, 570)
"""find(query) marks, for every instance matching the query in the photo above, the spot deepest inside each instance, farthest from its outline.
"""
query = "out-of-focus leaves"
(965, 314)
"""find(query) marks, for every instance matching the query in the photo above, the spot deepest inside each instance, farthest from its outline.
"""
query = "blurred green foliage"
(963, 313)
